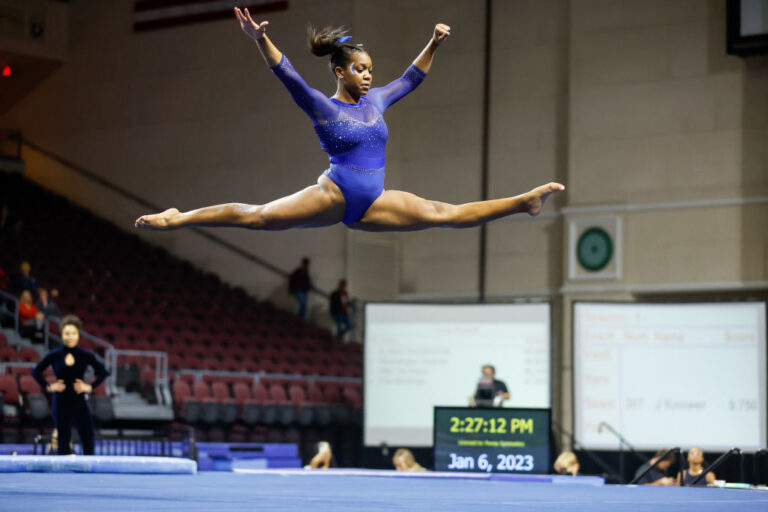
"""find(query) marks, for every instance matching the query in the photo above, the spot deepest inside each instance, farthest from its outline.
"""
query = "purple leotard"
(353, 134)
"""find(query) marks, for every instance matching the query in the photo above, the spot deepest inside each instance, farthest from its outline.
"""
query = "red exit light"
(6, 71)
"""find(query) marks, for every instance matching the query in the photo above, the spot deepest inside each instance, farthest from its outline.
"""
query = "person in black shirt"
(70, 404)
(490, 391)
(299, 285)
(339, 309)
(658, 475)
(24, 280)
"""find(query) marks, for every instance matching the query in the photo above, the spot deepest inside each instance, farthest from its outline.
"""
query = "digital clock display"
(492, 440)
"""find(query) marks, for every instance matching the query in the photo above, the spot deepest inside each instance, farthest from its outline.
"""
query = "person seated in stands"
(404, 460)
(24, 280)
(46, 305)
(567, 464)
(30, 319)
(323, 458)
(695, 468)
(658, 475)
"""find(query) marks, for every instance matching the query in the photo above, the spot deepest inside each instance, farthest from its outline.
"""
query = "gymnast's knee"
(253, 217)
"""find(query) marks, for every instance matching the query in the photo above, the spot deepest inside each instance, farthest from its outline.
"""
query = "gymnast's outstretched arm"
(313, 102)
(385, 96)
(424, 60)
(257, 32)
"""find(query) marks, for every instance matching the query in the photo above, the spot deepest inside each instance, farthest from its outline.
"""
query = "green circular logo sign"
(594, 249)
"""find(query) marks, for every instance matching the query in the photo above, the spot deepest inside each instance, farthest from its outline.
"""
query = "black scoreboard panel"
(492, 440)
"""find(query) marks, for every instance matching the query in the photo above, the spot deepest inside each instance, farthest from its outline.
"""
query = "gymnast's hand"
(441, 32)
(82, 387)
(251, 28)
(57, 387)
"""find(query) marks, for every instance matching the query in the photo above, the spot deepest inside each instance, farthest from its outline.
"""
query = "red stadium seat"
(29, 355)
(187, 407)
(8, 354)
(22, 370)
(227, 404)
(270, 409)
(210, 406)
(36, 405)
(9, 389)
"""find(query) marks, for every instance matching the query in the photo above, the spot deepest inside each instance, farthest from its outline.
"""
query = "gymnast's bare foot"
(158, 221)
(537, 196)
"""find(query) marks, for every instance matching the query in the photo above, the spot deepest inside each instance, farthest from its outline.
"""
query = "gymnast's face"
(357, 75)
(70, 335)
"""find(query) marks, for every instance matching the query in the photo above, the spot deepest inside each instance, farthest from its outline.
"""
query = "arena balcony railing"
(8, 298)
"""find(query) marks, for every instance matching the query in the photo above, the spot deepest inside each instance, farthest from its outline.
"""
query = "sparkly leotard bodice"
(353, 134)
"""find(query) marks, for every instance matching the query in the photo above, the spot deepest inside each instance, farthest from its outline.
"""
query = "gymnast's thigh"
(396, 210)
(315, 206)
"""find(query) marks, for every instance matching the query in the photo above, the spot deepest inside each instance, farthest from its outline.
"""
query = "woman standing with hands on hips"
(352, 131)
(70, 392)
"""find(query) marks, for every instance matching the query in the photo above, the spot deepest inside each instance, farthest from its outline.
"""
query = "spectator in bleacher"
(30, 319)
(69, 405)
(695, 468)
(46, 305)
(404, 460)
(567, 464)
(299, 285)
(658, 475)
(24, 280)
(339, 309)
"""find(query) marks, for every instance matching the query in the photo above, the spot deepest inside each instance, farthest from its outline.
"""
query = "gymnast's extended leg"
(316, 206)
(402, 211)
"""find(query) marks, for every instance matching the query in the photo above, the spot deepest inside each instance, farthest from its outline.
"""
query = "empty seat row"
(258, 403)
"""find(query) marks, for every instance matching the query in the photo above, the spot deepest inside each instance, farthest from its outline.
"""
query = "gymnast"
(69, 391)
(353, 133)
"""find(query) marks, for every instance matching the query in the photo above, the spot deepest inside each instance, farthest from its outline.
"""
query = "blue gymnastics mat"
(95, 464)
(227, 492)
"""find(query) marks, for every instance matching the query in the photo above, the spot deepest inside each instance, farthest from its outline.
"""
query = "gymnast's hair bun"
(325, 41)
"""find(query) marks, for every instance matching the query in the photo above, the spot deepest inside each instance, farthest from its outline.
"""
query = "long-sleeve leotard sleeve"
(37, 373)
(383, 97)
(311, 101)
(101, 372)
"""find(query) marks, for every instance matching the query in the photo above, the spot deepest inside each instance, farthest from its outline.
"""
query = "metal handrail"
(675, 450)
(622, 443)
(621, 438)
(144, 202)
(727, 455)
(257, 376)
(15, 301)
